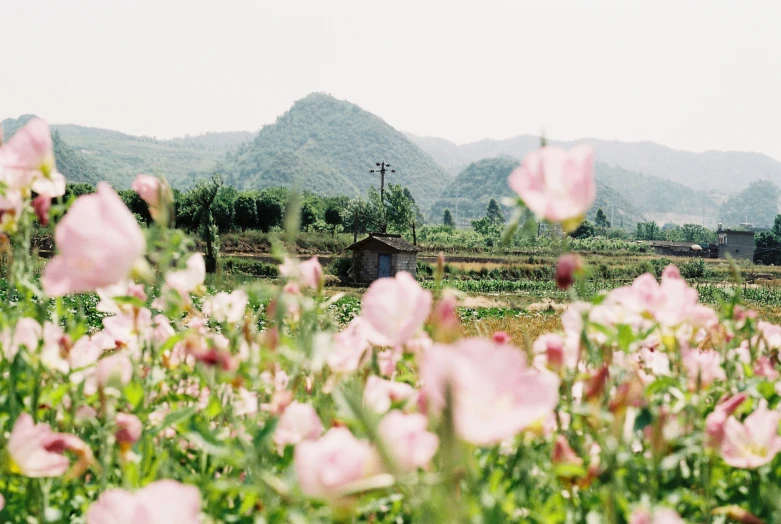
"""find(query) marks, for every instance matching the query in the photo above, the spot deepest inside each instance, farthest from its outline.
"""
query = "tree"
(136, 205)
(649, 231)
(308, 215)
(768, 249)
(585, 230)
(77, 189)
(401, 210)
(777, 226)
(494, 212)
(695, 233)
(601, 220)
(269, 211)
(203, 196)
(447, 219)
(222, 208)
(245, 212)
(333, 217)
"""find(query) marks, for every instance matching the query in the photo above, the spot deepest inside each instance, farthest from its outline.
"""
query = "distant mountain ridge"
(328, 146)
(119, 157)
(467, 197)
(727, 171)
(91, 154)
(75, 166)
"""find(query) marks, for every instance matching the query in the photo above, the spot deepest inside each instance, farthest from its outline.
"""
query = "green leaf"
(201, 436)
(644, 419)
(214, 408)
(134, 393)
(264, 433)
(177, 417)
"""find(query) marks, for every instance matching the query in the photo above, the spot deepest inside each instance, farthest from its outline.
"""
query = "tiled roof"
(394, 241)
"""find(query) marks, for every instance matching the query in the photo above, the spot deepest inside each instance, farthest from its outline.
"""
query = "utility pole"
(383, 168)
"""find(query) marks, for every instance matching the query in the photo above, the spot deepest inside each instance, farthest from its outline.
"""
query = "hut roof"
(394, 242)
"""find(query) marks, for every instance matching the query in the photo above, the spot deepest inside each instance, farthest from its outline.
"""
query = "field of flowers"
(132, 394)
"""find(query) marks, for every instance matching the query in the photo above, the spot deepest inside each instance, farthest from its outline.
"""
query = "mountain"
(757, 205)
(75, 166)
(727, 171)
(119, 157)
(652, 195)
(328, 146)
(485, 179)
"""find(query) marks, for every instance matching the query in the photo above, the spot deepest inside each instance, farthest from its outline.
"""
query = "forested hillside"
(328, 146)
(757, 204)
(120, 157)
(486, 179)
(74, 165)
(728, 171)
(650, 194)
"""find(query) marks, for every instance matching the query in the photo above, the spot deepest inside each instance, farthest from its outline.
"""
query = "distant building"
(668, 248)
(735, 243)
(382, 255)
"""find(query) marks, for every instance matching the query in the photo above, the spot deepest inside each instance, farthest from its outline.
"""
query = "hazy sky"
(689, 74)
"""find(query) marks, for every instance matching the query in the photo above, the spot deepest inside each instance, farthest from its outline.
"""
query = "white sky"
(693, 75)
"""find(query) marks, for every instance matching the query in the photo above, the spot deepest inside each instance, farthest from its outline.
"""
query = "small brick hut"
(382, 255)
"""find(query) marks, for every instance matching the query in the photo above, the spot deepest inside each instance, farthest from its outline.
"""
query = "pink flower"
(187, 280)
(408, 442)
(554, 352)
(311, 273)
(37, 451)
(495, 395)
(671, 271)
(326, 466)
(659, 515)
(27, 333)
(753, 443)
(764, 368)
(396, 308)
(350, 347)
(99, 242)
(715, 422)
(226, 307)
(129, 428)
(114, 370)
(557, 185)
(387, 360)
(380, 394)
(27, 161)
(306, 274)
(298, 422)
(768, 338)
(703, 368)
(161, 502)
(148, 188)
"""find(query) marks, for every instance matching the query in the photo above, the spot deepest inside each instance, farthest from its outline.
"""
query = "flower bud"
(568, 268)
(595, 385)
(501, 337)
(129, 429)
(717, 419)
(564, 454)
(41, 205)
